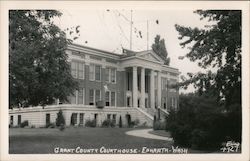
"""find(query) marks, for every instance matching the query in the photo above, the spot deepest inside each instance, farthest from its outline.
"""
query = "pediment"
(150, 55)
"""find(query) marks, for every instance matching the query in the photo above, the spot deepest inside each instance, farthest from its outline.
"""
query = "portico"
(140, 96)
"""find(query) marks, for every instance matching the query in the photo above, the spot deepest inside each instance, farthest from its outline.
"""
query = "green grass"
(43, 141)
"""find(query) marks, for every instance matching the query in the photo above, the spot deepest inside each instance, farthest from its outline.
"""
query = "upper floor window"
(110, 75)
(98, 72)
(163, 83)
(95, 72)
(77, 69)
(113, 75)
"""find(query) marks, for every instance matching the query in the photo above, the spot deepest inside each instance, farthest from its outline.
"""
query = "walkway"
(145, 134)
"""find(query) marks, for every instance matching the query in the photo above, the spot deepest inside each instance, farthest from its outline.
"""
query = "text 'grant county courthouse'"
(131, 85)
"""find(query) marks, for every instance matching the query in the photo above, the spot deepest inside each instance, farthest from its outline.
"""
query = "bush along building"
(125, 89)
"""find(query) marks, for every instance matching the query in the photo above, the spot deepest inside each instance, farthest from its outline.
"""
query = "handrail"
(145, 113)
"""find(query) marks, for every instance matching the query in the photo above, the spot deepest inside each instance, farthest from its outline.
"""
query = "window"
(113, 75)
(77, 69)
(80, 96)
(74, 69)
(73, 120)
(94, 72)
(128, 101)
(107, 74)
(114, 118)
(80, 70)
(91, 97)
(19, 119)
(73, 98)
(173, 102)
(146, 84)
(110, 75)
(91, 71)
(112, 98)
(97, 95)
(128, 85)
(81, 118)
(98, 72)
(47, 119)
(108, 116)
(107, 98)
(139, 83)
(163, 83)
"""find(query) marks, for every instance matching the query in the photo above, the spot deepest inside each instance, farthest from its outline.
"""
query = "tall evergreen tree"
(160, 49)
(38, 68)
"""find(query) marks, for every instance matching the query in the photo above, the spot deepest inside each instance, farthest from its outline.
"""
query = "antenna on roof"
(131, 23)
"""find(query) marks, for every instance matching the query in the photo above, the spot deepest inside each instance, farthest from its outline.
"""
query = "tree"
(217, 46)
(38, 68)
(120, 122)
(160, 49)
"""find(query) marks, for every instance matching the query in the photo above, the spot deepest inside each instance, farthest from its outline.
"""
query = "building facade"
(132, 85)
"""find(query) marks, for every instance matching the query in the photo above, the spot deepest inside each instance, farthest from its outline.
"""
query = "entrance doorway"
(128, 101)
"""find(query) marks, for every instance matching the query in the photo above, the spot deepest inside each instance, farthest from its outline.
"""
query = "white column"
(152, 89)
(159, 89)
(142, 87)
(135, 89)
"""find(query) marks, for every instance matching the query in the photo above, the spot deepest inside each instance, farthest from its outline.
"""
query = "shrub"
(159, 125)
(120, 122)
(24, 123)
(90, 123)
(108, 123)
(200, 123)
(50, 125)
(60, 118)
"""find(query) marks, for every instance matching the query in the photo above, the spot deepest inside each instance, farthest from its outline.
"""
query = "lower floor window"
(73, 119)
(110, 98)
(94, 96)
(78, 97)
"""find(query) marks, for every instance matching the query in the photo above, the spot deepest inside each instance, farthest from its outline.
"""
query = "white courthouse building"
(131, 85)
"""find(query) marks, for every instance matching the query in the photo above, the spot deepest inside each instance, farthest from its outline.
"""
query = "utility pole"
(131, 23)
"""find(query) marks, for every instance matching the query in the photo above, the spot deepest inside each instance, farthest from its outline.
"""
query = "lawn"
(43, 141)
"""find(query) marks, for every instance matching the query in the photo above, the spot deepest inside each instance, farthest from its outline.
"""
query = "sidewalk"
(145, 134)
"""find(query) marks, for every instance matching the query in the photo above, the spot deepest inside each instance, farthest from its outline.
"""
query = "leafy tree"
(38, 68)
(160, 49)
(217, 46)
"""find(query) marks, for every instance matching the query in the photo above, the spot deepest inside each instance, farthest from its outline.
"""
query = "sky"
(109, 30)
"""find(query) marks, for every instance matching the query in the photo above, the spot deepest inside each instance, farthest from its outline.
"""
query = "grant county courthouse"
(131, 85)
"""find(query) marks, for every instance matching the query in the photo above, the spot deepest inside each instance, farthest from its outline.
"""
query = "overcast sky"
(110, 30)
